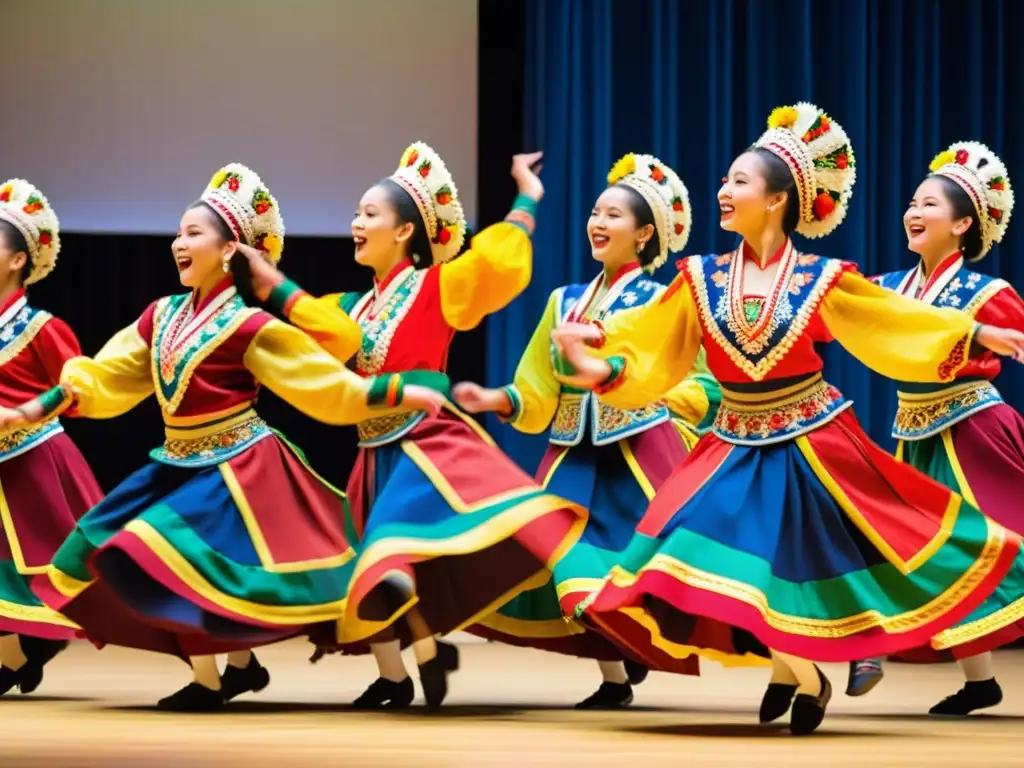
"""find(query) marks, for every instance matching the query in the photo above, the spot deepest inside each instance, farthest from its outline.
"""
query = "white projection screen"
(121, 110)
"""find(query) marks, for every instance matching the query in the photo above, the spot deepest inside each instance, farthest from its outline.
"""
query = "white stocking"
(425, 649)
(11, 655)
(805, 672)
(781, 673)
(389, 661)
(204, 671)
(977, 668)
(613, 672)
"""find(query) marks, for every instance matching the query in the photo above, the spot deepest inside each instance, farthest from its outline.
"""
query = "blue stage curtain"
(693, 83)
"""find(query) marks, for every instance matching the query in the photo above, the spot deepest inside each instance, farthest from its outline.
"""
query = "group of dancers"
(705, 493)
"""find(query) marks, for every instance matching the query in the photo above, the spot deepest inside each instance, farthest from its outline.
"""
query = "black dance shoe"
(609, 696)
(809, 711)
(39, 653)
(777, 700)
(635, 671)
(193, 698)
(386, 694)
(8, 679)
(235, 681)
(976, 694)
(449, 656)
(434, 674)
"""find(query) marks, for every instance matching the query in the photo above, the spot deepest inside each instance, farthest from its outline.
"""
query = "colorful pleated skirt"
(447, 525)
(822, 546)
(982, 459)
(615, 483)
(43, 492)
(191, 561)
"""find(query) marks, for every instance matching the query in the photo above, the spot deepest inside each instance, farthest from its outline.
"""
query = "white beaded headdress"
(240, 197)
(820, 157)
(982, 175)
(423, 174)
(27, 210)
(666, 195)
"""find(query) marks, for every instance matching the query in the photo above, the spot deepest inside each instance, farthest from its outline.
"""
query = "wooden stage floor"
(508, 707)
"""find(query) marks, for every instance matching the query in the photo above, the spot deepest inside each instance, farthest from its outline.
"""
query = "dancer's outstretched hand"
(473, 398)
(1002, 341)
(420, 398)
(524, 170)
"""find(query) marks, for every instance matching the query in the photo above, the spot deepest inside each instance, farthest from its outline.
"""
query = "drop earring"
(225, 266)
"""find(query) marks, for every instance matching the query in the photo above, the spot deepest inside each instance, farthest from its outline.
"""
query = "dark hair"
(778, 178)
(960, 201)
(240, 272)
(16, 242)
(407, 213)
(643, 214)
(218, 221)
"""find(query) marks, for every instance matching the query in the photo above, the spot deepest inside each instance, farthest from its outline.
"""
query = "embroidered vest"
(756, 337)
(19, 324)
(182, 340)
(925, 410)
(578, 409)
(379, 325)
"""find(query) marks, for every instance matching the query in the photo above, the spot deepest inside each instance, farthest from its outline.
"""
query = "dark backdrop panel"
(104, 282)
(693, 83)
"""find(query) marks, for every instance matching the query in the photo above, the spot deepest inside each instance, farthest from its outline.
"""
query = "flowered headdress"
(239, 197)
(26, 209)
(666, 195)
(818, 154)
(982, 175)
(422, 173)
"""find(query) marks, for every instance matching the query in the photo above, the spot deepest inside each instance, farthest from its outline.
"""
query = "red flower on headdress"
(45, 238)
(425, 169)
(998, 184)
(995, 214)
(657, 174)
(823, 205)
(412, 159)
(260, 202)
(818, 127)
(443, 196)
(961, 157)
(233, 183)
(842, 161)
(679, 228)
(33, 205)
(677, 204)
(5, 195)
(444, 236)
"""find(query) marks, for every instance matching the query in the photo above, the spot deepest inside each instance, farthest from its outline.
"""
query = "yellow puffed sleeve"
(486, 278)
(651, 348)
(291, 364)
(694, 397)
(322, 318)
(898, 337)
(534, 390)
(114, 381)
